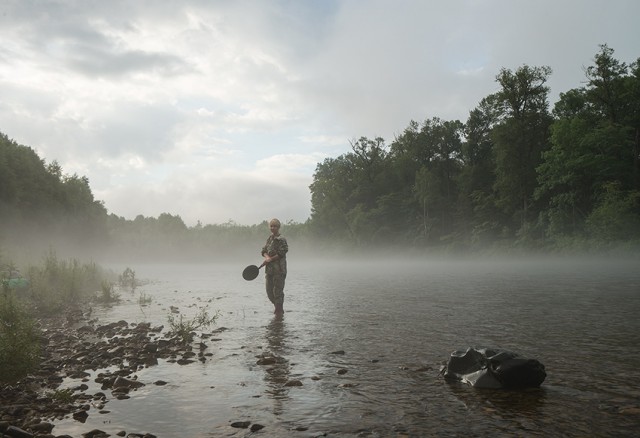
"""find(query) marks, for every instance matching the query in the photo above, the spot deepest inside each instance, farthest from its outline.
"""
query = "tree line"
(515, 174)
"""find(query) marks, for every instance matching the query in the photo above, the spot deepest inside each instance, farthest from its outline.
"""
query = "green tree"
(593, 145)
(520, 138)
(333, 183)
(478, 216)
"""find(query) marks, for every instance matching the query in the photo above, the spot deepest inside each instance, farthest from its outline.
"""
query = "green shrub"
(63, 395)
(128, 279)
(58, 283)
(19, 339)
(108, 294)
(144, 299)
(183, 328)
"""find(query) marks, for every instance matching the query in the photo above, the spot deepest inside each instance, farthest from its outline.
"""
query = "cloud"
(221, 110)
(216, 196)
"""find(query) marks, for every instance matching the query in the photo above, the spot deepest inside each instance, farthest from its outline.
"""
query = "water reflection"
(502, 402)
(277, 368)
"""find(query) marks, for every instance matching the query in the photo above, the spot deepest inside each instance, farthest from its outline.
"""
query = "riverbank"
(75, 347)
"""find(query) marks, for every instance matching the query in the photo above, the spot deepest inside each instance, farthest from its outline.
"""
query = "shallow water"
(396, 323)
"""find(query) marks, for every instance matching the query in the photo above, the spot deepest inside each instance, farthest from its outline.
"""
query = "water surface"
(367, 340)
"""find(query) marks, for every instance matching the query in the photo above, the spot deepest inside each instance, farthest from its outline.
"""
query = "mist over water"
(397, 321)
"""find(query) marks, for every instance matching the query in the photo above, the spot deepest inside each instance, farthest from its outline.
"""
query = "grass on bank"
(19, 338)
(54, 286)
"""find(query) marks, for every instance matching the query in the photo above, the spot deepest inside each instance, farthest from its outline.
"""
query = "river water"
(366, 340)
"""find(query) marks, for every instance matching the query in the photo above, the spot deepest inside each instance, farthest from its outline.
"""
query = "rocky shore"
(76, 347)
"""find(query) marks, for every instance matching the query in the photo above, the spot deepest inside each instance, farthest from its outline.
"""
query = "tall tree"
(476, 208)
(520, 139)
(593, 157)
(333, 183)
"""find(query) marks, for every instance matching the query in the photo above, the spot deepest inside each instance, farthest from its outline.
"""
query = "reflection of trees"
(276, 366)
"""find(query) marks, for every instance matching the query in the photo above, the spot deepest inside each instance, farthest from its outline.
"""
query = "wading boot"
(279, 309)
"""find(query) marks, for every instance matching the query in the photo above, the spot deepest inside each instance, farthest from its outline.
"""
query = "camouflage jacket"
(276, 245)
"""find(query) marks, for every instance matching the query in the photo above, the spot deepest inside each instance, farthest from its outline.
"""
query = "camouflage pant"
(275, 287)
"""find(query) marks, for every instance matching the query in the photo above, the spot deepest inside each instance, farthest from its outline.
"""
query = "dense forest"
(515, 175)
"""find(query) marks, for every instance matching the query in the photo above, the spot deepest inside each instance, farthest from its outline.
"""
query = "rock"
(16, 432)
(266, 361)
(256, 427)
(42, 427)
(160, 382)
(116, 351)
(343, 371)
(337, 352)
(293, 383)
(95, 433)
(240, 424)
(150, 347)
(80, 416)
(122, 382)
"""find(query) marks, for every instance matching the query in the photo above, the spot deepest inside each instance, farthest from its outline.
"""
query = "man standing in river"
(275, 261)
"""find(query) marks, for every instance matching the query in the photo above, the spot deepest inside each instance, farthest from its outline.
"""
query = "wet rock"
(80, 415)
(116, 351)
(160, 382)
(293, 383)
(78, 374)
(95, 433)
(150, 347)
(122, 382)
(143, 326)
(16, 432)
(241, 424)
(256, 427)
(337, 352)
(42, 427)
(267, 360)
(342, 371)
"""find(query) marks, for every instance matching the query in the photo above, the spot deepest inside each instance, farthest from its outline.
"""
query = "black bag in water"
(487, 368)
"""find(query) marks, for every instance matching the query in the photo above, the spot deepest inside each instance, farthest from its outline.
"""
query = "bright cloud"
(221, 110)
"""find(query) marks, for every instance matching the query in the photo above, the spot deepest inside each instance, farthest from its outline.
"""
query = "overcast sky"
(220, 110)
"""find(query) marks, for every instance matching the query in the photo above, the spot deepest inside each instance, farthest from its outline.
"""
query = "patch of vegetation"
(56, 283)
(128, 279)
(184, 329)
(52, 287)
(107, 293)
(63, 395)
(19, 339)
(144, 299)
